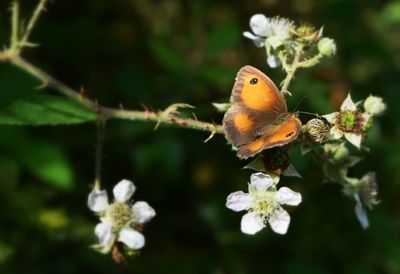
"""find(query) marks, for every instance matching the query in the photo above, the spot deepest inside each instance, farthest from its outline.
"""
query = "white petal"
(123, 191)
(258, 41)
(142, 212)
(249, 35)
(273, 61)
(261, 181)
(331, 117)
(103, 231)
(252, 223)
(98, 200)
(335, 133)
(360, 213)
(348, 104)
(279, 221)
(238, 201)
(259, 24)
(287, 196)
(132, 238)
(353, 138)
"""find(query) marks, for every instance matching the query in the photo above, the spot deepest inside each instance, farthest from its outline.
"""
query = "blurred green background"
(158, 52)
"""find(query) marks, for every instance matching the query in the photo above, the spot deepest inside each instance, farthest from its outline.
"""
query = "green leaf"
(48, 163)
(257, 165)
(292, 172)
(44, 109)
(44, 160)
(14, 85)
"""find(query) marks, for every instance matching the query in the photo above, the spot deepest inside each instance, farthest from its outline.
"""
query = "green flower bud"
(338, 152)
(317, 130)
(341, 154)
(374, 105)
(327, 46)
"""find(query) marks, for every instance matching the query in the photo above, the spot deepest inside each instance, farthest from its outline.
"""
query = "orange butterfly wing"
(258, 116)
(283, 134)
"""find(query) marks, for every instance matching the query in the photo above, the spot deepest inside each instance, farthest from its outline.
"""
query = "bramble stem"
(14, 25)
(12, 55)
(292, 69)
(32, 22)
(104, 112)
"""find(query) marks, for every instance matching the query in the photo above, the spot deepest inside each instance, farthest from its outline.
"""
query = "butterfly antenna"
(298, 103)
(304, 112)
(309, 113)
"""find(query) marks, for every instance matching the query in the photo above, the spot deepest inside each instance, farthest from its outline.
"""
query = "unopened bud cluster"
(317, 130)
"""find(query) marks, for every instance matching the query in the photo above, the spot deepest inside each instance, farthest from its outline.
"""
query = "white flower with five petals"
(264, 204)
(348, 122)
(119, 220)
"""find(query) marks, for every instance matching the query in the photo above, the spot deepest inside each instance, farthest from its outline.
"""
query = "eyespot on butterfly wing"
(258, 117)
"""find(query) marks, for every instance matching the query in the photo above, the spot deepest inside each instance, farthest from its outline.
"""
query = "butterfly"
(258, 118)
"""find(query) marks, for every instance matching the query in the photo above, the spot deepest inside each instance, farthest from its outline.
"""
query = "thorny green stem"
(32, 22)
(12, 55)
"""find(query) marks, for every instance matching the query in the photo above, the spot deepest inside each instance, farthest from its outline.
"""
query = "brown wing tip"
(248, 69)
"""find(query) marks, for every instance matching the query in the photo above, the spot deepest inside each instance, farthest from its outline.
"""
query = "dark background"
(160, 52)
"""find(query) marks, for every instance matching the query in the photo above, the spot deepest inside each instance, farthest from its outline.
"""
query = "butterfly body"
(258, 118)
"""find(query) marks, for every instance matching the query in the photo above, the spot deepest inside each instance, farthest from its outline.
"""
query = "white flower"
(274, 30)
(348, 122)
(119, 220)
(264, 204)
(365, 192)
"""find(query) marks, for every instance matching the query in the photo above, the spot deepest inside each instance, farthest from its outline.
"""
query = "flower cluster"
(283, 40)
(264, 204)
(119, 221)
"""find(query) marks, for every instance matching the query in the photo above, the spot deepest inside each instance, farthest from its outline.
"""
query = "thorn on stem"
(210, 137)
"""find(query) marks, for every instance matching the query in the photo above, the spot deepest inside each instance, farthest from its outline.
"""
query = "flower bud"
(338, 152)
(341, 154)
(327, 46)
(374, 105)
(317, 130)
(308, 33)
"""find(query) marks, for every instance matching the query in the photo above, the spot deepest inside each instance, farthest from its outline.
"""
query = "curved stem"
(104, 112)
